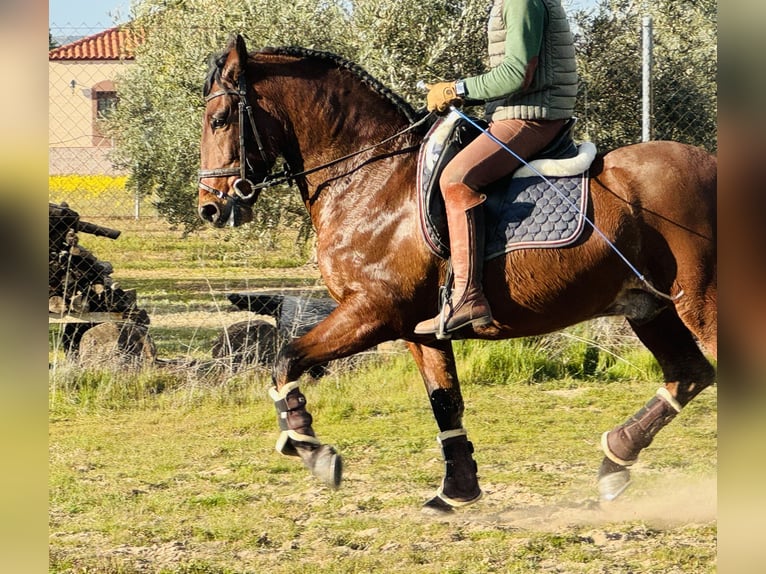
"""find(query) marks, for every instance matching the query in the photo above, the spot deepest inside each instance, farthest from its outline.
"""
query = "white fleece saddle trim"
(586, 153)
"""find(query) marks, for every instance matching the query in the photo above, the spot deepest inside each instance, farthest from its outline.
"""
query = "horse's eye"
(218, 122)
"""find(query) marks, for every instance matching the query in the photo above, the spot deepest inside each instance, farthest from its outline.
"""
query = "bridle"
(244, 164)
(270, 179)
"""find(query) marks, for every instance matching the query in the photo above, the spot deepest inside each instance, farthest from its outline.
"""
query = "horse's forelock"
(215, 69)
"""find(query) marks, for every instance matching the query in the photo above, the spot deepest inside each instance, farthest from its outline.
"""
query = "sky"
(96, 14)
(101, 13)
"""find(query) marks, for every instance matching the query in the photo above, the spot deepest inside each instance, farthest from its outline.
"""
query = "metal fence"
(688, 108)
(179, 285)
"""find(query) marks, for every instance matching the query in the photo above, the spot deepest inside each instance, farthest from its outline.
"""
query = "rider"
(530, 93)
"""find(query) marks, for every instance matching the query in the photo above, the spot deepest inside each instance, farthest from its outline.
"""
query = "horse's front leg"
(460, 485)
(339, 335)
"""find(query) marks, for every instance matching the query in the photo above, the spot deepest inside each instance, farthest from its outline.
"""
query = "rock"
(116, 345)
(247, 342)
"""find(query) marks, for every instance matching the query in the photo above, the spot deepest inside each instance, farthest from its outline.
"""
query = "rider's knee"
(449, 177)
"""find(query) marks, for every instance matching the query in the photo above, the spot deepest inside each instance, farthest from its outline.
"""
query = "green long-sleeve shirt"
(524, 20)
(533, 72)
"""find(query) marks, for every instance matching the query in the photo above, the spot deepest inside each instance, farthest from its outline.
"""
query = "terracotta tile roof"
(112, 44)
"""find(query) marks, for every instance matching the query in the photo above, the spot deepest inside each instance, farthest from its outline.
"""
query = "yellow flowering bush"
(85, 186)
(94, 195)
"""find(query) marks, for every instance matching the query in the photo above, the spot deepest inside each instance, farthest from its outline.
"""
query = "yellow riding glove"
(441, 96)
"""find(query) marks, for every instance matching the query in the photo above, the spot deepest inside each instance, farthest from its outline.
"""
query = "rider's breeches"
(483, 161)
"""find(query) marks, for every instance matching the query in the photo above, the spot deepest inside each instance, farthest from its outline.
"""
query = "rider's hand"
(441, 96)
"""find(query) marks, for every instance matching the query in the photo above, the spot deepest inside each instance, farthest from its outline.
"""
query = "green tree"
(156, 127)
(402, 42)
(684, 72)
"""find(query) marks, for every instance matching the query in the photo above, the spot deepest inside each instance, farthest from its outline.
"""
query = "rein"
(331, 163)
(270, 180)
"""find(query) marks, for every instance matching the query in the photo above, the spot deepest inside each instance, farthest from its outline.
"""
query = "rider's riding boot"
(465, 221)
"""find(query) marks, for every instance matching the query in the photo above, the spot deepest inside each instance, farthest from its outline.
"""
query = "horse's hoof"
(612, 485)
(436, 506)
(327, 466)
(441, 504)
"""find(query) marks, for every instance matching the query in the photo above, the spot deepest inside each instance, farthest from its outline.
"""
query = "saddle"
(522, 210)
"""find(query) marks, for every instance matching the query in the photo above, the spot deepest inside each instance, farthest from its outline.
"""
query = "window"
(106, 102)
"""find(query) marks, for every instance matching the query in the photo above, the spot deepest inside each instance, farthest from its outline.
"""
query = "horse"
(349, 145)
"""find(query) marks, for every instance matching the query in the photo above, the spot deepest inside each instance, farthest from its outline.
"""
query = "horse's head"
(232, 152)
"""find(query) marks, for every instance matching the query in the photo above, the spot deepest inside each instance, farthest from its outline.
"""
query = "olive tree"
(157, 124)
(609, 49)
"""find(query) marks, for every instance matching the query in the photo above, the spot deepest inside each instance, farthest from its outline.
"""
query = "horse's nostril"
(209, 212)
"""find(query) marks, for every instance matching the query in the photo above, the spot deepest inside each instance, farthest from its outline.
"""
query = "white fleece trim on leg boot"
(283, 447)
(665, 395)
(277, 395)
(442, 436)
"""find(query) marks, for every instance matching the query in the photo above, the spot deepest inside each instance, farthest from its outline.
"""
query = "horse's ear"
(236, 59)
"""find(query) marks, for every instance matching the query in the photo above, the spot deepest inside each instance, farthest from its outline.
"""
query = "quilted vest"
(551, 94)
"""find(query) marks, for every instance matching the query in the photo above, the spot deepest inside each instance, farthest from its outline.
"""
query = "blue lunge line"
(600, 233)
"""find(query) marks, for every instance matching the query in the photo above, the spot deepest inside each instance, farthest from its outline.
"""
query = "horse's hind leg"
(687, 372)
(460, 485)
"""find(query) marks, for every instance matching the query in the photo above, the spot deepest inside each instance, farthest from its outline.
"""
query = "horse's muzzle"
(230, 213)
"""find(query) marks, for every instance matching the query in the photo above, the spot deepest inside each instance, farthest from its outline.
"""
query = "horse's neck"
(340, 125)
(333, 124)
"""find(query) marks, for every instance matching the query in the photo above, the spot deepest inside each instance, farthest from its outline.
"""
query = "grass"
(178, 474)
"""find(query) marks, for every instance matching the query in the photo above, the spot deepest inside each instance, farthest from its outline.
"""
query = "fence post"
(646, 78)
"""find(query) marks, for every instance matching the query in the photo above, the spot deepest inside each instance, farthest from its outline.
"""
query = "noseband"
(244, 164)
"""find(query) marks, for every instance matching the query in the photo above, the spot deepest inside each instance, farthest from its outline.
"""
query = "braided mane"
(365, 77)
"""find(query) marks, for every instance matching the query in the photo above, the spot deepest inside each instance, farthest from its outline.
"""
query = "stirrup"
(445, 301)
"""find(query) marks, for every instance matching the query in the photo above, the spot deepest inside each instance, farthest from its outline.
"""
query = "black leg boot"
(297, 438)
(623, 444)
(460, 486)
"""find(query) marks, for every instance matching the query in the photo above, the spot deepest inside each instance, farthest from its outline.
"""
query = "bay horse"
(350, 145)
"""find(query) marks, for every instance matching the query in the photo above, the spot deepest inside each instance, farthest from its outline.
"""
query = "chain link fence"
(114, 261)
(681, 101)
(179, 299)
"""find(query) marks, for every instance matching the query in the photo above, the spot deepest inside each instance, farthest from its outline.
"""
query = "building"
(81, 92)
